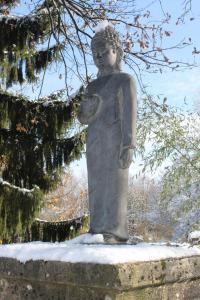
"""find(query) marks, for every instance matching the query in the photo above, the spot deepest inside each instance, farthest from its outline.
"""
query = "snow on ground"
(194, 235)
(89, 248)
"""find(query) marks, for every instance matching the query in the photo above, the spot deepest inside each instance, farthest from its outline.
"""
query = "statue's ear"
(119, 58)
(119, 55)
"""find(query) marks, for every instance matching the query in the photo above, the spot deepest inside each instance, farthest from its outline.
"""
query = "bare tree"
(68, 201)
(68, 26)
(145, 41)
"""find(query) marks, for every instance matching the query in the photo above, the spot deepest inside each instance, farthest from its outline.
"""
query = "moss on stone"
(163, 264)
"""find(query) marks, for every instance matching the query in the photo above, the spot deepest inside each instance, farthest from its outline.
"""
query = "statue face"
(104, 56)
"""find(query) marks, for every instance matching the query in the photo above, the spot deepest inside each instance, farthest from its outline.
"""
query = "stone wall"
(168, 279)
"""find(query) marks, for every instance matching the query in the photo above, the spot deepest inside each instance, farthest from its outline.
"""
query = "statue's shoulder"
(118, 79)
(125, 77)
(126, 80)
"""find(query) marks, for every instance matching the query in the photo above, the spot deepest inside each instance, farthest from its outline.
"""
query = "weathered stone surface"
(109, 108)
(157, 280)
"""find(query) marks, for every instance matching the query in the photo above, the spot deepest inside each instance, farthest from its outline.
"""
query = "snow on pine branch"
(17, 188)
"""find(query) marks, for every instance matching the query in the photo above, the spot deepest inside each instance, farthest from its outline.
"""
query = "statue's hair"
(111, 36)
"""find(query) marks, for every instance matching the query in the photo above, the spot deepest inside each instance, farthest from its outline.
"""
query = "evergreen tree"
(35, 136)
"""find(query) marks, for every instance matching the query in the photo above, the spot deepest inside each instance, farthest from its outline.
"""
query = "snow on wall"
(91, 249)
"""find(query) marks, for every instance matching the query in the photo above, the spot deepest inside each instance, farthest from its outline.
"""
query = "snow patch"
(87, 239)
(194, 235)
(102, 25)
(89, 248)
(14, 187)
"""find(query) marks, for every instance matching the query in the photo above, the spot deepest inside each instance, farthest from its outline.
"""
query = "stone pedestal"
(167, 279)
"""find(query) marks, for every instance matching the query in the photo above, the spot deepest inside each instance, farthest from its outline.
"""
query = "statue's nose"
(99, 55)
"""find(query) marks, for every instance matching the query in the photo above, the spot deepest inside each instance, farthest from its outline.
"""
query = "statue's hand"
(125, 158)
(89, 108)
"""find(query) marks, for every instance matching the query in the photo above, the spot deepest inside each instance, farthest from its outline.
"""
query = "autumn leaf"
(3, 161)
(143, 44)
(158, 49)
(21, 128)
(34, 121)
(195, 51)
(167, 33)
(4, 12)
(136, 18)
(166, 59)
(129, 44)
(82, 194)
(147, 14)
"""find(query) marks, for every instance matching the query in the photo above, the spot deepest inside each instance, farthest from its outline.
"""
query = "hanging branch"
(27, 192)
(6, 5)
(22, 31)
(19, 207)
(31, 162)
(57, 231)
(26, 64)
(72, 22)
(143, 39)
(46, 118)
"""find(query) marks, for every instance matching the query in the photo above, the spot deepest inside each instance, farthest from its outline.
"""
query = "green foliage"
(30, 162)
(170, 135)
(5, 5)
(20, 65)
(57, 231)
(20, 58)
(23, 32)
(48, 118)
(35, 144)
(18, 209)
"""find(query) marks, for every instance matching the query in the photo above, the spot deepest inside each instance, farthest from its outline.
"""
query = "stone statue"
(109, 109)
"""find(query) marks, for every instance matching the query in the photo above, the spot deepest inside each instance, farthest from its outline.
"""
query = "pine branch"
(6, 5)
(19, 208)
(15, 188)
(57, 231)
(46, 118)
(37, 162)
(22, 31)
(20, 64)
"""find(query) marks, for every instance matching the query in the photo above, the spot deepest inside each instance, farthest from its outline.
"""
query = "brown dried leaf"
(143, 44)
(158, 49)
(167, 33)
(21, 128)
(195, 51)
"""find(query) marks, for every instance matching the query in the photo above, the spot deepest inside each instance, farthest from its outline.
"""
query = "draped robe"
(111, 129)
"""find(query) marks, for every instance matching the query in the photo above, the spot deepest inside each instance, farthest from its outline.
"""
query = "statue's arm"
(128, 122)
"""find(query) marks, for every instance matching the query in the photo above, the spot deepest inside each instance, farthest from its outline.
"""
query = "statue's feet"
(133, 240)
(112, 239)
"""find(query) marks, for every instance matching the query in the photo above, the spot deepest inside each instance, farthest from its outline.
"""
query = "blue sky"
(176, 86)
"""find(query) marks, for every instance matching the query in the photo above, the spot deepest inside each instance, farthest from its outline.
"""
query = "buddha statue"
(109, 108)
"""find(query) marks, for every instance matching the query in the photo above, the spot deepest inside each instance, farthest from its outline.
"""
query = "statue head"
(107, 50)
